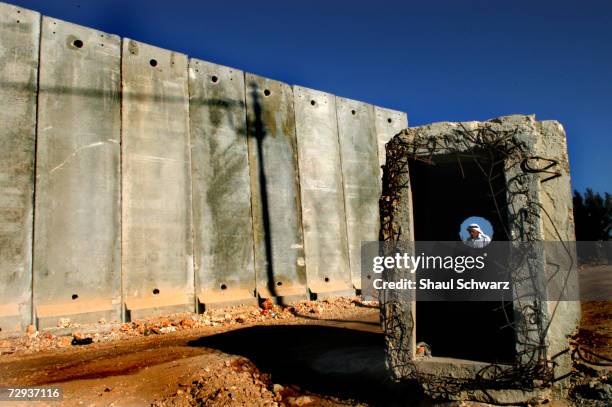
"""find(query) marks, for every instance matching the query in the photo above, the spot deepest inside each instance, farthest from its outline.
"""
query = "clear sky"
(436, 60)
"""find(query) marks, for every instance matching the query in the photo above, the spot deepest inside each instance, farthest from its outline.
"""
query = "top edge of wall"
(7, 7)
(17, 9)
(151, 48)
(352, 102)
(79, 28)
(382, 111)
(253, 76)
(297, 89)
(210, 64)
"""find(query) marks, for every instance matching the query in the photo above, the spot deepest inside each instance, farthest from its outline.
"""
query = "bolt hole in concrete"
(153, 62)
(353, 112)
(77, 43)
(437, 213)
(223, 287)
(389, 120)
(346, 360)
(327, 279)
(214, 79)
(155, 291)
(267, 92)
(75, 296)
(279, 283)
(312, 102)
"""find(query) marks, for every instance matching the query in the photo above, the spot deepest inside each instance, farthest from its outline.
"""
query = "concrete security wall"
(19, 42)
(361, 172)
(223, 227)
(325, 238)
(277, 220)
(77, 222)
(157, 258)
(135, 181)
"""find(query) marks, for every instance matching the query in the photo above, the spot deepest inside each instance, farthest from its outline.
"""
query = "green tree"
(593, 216)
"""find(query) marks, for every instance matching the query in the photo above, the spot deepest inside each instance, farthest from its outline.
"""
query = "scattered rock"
(299, 401)
(64, 341)
(187, 323)
(64, 323)
(167, 329)
(267, 304)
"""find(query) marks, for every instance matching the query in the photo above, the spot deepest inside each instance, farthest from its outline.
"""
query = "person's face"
(474, 233)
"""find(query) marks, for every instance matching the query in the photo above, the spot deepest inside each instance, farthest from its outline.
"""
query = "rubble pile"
(237, 381)
(67, 333)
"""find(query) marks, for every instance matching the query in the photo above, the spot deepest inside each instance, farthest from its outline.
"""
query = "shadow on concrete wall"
(254, 124)
(259, 132)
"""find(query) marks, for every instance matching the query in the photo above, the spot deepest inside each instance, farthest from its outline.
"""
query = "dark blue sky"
(436, 60)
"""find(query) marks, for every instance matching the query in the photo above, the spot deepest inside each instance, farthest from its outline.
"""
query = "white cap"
(475, 227)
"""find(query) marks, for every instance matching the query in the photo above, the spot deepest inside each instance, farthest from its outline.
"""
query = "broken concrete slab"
(19, 42)
(157, 260)
(223, 229)
(77, 239)
(513, 142)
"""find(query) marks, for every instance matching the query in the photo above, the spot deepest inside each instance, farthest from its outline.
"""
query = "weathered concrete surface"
(223, 229)
(558, 223)
(388, 123)
(323, 216)
(360, 169)
(439, 367)
(278, 243)
(556, 193)
(157, 259)
(19, 37)
(77, 222)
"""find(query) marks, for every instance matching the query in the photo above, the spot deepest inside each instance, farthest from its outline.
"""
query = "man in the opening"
(477, 237)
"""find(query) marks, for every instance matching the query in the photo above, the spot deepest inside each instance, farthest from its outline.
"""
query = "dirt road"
(325, 354)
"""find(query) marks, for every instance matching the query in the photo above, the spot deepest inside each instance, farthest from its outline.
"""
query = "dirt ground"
(327, 353)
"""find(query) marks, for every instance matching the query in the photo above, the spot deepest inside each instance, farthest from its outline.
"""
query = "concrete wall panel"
(223, 229)
(388, 124)
(278, 243)
(77, 223)
(360, 169)
(157, 248)
(323, 216)
(19, 37)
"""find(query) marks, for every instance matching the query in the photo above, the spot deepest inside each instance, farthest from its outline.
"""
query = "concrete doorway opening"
(447, 189)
